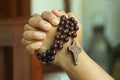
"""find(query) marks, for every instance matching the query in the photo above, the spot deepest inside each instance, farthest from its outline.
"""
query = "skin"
(38, 35)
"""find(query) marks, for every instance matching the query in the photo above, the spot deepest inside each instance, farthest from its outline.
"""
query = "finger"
(33, 46)
(34, 35)
(26, 42)
(49, 16)
(44, 25)
(37, 22)
(59, 13)
(27, 27)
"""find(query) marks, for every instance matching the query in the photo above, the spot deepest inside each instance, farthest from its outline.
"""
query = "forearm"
(86, 69)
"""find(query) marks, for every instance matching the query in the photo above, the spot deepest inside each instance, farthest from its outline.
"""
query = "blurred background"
(101, 36)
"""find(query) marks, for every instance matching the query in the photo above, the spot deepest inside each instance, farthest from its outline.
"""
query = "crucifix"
(74, 49)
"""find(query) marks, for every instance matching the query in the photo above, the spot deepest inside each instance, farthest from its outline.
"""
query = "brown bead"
(74, 35)
(76, 28)
(72, 19)
(69, 34)
(67, 21)
(71, 28)
(48, 52)
(59, 29)
(65, 31)
(51, 58)
(62, 23)
(60, 46)
(66, 39)
(63, 17)
(61, 37)
(39, 56)
(56, 42)
(75, 22)
(54, 46)
(72, 24)
(53, 52)
(57, 37)
(43, 55)
(66, 26)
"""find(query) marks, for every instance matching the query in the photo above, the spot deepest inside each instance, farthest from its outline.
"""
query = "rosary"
(66, 28)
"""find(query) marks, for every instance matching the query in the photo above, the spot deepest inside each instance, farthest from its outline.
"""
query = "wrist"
(67, 63)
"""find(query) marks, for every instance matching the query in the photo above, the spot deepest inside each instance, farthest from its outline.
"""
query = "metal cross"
(74, 49)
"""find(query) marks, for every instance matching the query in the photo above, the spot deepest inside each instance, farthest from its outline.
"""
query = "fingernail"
(40, 35)
(55, 21)
(47, 26)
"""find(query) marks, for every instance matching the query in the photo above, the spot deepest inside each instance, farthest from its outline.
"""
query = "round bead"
(61, 37)
(67, 21)
(39, 56)
(72, 24)
(66, 39)
(43, 55)
(59, 29)
(57, 37)
(63, 17)
(71, 28)
(54, 46)
(56, 42)
(48, 52)
(74, 35)
(76, 28)
(66, 26)
(75, 22)
(65, 31)
(62, 23)
(53, 52)
(60, 46)
(69, 34)
(51, 58)
(72, 19)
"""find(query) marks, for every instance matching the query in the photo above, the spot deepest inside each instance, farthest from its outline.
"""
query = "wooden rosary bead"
(67, 21)
(57, 41)
(53, 52)
(69, 34)
(75, 22)
(63, 18)
(51, 58)
(71, 28)
(66, 39)
(74, 35)
(60, 46)
(65, 31)
(76, 28)
(59, 29)
(54, 46)
(62, 23)
(72, 19)
(66, 26)
(39, 56)
(61, 37)
(57, 37)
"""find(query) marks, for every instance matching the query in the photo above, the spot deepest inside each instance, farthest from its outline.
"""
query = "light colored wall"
(38, 6)
(107, 8)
